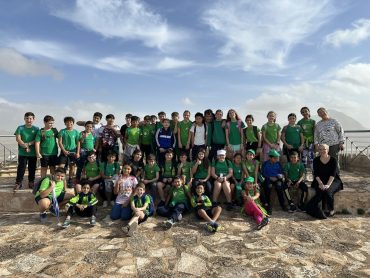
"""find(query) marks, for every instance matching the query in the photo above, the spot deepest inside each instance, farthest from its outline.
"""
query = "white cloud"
(122, 64)
(15, 63)
(187, 101)
(358, 33)
(169, 63)
(124, 19)
(341, 93)
(263, 33)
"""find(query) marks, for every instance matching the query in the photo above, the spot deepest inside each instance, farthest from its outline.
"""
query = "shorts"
(207, 210)
(49, 160)
(69, 159)
(235, 148)
(60, 198)
(144, 219)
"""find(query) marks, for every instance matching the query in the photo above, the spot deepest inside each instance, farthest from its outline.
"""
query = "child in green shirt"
(83, 204)
(176, 203)
(205, 210)
(140, 203)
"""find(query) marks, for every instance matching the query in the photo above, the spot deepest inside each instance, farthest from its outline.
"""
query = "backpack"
(43, 137)
(37, 184)
(205, 131)
(151, 204)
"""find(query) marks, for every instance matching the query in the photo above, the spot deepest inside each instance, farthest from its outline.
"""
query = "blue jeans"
(119, 212)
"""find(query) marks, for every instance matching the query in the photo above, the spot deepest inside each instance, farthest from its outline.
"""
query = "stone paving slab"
(292, 245)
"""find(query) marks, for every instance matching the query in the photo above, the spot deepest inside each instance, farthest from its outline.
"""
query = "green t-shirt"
(151, 172)
(251, 166)
(218, 133)
(209, 133)
(69, 139)
(168, 170)
(139, 203)
(222, 167)
(147, 134)
(308, 129)
(157, 126)
(47, 139)
(294, 171)
(271, 132)
(92, 170)
(179, 195)
(109, 169)
(88, 143)
(184, 131)
(133, 135)
(249, 134)
(237, 171)
(83, 199)
(45, 184)
(234, 128)
(293, 135)
(28, 134)
(186, 169)
(202, 171)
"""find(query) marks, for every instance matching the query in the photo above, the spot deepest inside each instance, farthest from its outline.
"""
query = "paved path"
(292, 245)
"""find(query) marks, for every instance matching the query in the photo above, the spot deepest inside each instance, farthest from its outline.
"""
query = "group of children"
(169, 166)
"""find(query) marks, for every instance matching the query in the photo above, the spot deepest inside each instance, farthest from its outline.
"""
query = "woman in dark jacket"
(326, 183)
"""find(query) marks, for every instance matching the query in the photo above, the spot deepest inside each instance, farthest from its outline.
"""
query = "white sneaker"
(112, 203)
(105, 204)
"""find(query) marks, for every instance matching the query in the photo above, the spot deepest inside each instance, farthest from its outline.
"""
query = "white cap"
(221, 152)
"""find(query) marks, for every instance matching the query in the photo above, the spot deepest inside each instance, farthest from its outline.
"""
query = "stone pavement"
(292, 245)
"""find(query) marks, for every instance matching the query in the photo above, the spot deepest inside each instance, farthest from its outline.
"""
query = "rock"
(29, 263)
(163, 252)
(232, 272)
(191, 264)
(273, 273)
(128, 270)
(142, 263)
(357, 255)
(201, 251)
(304, 271)
(109, 247)
(4, 272)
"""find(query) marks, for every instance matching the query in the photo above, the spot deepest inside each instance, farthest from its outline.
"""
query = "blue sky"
(115, 56)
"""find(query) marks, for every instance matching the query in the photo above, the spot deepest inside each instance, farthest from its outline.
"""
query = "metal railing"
(8, 151)
(356, 147)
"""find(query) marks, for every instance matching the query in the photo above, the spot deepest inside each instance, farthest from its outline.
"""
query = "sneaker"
(43, 217)
(17, 186)
(126, 229)
(269, 210)
(329, 213)
(209, 227)
(169, 223)
(52, 211)
(132, 229)
(302, 207)
(263, 223)
(292, 208)
(112, 203)
(229, 206)
(216, 227)
(92, 220)
(105, 204)
(66, 223)
(179, 217)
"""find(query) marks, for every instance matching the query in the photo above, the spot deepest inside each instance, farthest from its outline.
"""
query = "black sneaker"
(229, 206)
(263, 223)
(52, 211)
(269, 210)
(292, 208)
(302, 207)
(43, 217)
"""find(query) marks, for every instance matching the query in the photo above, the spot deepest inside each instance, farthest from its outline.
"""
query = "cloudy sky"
(119, 56)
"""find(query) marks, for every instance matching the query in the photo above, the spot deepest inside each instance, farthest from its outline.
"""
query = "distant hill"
(347, 122)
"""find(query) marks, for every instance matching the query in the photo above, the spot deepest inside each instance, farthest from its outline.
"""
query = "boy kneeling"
(205, 210)
(51, 187)
(83, 204)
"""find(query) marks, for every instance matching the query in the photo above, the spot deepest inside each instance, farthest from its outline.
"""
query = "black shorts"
(207, 210)
(49, 160)
(60, 198)
(69, 159)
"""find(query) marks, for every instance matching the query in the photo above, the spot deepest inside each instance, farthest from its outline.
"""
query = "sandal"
(17, 186)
